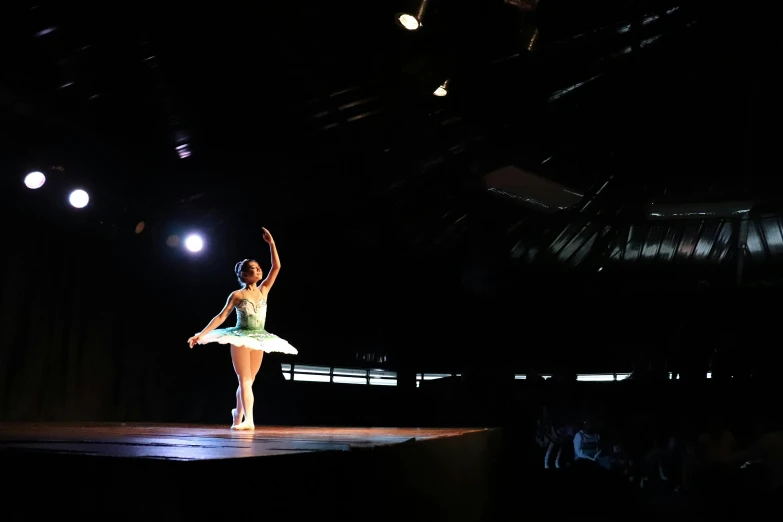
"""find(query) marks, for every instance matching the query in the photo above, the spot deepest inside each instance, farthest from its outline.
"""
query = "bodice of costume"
(250, 315)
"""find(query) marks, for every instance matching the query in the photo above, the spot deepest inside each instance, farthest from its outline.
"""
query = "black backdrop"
(94, 323)
(95, 320)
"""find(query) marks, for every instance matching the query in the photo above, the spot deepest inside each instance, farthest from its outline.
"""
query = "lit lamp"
(412, 22)
(443, 90)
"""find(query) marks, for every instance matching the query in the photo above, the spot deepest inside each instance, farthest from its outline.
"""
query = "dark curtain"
(87, 337)
(58, 346)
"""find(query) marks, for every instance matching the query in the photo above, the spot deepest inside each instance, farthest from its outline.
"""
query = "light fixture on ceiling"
(35, 180)
(79, 198)
(412, 21)
(443, 90)
(525, 6)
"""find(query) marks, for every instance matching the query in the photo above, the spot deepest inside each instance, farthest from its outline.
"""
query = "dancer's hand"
(267, 236)
(193, 340)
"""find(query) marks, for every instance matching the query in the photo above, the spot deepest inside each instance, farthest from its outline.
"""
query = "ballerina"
(248, 339)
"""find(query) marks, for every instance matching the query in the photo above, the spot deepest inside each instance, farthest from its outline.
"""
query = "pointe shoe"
(234, 420)
(243, 426)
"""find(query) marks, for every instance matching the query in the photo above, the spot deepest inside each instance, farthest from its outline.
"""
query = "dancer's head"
(248, 272)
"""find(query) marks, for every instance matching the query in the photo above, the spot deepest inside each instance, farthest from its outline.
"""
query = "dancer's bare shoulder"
(233, 299)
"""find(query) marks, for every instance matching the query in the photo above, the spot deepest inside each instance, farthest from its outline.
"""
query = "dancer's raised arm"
(216, 321)
(267, 283)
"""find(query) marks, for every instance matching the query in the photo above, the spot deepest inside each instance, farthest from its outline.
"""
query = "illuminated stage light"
(409, 22)
(183, 151)
(194, 243)
(79, 198)
(412, 22)
(443, 90)
(34, 180)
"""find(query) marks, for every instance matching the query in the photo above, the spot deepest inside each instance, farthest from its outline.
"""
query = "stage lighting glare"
(172, 241)
(443, 90)
(183, 151)
(79, 198)
(409, 22)
(34, 180)
(194, 243)
(412, 22)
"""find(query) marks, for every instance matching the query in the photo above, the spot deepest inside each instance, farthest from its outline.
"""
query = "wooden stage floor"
(199, 442)
(189, 472)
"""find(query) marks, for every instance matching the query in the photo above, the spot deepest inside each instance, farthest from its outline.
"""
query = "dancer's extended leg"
(240, 356)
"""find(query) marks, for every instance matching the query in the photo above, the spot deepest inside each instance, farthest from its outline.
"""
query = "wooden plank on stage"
(199, 442)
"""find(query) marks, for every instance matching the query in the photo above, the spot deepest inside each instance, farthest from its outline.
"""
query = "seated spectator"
(545, 435)
(586, 444)
(562, 438)
(549, 438)
(587, 448)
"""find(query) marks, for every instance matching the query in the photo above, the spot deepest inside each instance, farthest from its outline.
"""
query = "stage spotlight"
(194, 243)
(443, 90)
(182, 140)
(140, 227)
(183, 151)
(34, 180)
(409, 22)
(412, 22)
(79, 198)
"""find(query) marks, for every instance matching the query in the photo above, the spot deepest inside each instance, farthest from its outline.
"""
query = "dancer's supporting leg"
(240, 356)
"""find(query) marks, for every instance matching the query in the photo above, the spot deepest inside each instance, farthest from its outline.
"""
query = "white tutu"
(249, 331)
(255, 339)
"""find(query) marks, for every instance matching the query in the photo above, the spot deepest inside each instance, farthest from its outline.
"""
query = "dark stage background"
(95, 329)
(377, 195)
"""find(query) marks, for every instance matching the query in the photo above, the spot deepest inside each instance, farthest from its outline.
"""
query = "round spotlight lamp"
(443, 90)
(412, 22)
(194, 243)
(34, 180)
(79, 198)
(408, 21)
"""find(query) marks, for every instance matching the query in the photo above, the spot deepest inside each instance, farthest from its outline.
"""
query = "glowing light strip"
(389, 378)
